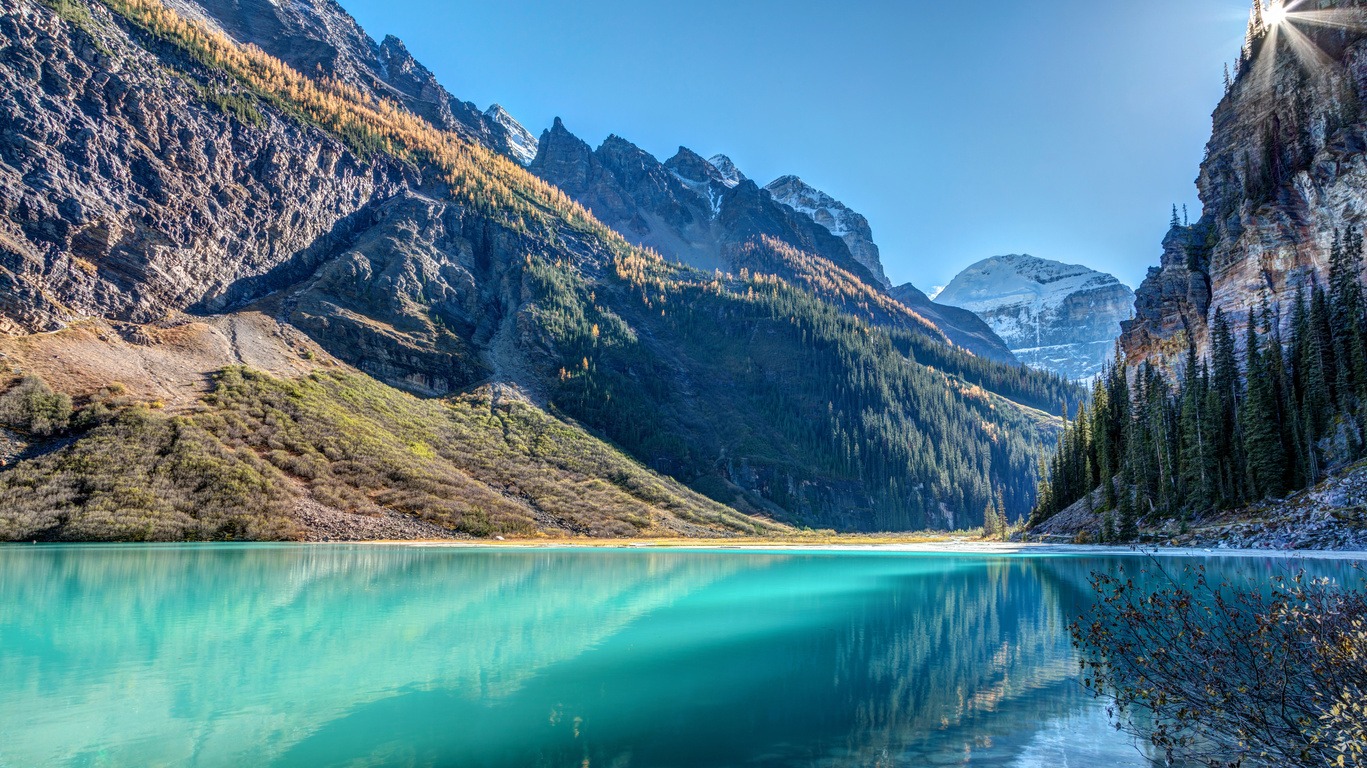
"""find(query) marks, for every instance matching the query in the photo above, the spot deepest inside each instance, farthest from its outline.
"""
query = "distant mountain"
(685, 208)
(730, 174)
(1058, 317)
(708, 214)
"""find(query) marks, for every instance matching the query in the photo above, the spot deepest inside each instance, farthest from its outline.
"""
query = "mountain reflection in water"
(378, 655)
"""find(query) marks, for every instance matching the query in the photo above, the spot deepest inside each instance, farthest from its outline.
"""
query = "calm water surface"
(379, 656)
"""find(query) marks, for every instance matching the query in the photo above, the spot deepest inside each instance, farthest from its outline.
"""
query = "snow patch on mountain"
(703, 177)
(522, 144)
(727, 171)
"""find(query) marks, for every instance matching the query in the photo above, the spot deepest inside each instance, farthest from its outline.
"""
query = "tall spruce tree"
(1266, 459)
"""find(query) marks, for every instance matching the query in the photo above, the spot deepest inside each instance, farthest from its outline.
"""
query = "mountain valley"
(198, 235)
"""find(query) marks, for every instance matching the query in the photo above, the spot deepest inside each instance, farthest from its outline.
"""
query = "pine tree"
(1263, 445)
(1176, 220)
(1002, 523)
(991, 530)
(1310, 385)
(1227, 392)
(1127, 519)
(1198, 469)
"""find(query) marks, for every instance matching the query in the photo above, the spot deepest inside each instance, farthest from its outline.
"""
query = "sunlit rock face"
(1058, 317)
(1285, 168)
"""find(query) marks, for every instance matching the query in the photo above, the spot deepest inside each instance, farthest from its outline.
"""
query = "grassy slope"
(236, 468)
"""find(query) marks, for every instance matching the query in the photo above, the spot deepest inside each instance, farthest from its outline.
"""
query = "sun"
(1276, 14)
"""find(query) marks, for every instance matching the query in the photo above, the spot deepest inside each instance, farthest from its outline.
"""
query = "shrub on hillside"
(31, 406)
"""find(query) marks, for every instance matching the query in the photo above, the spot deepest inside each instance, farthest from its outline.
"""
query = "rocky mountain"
(832, 214)
(730, 174)
(238, 265)
(320, 37)
(1285, 168)
(1058, 317)
(707, 214)
(685, 208)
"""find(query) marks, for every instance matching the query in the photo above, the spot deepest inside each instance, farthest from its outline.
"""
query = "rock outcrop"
(1057, 317)
(1286, 167)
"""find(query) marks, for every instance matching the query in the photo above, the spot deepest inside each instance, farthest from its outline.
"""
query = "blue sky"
(961, 129)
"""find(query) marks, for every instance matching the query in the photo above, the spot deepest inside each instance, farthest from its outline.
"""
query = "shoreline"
(947, 547)
(967, 547)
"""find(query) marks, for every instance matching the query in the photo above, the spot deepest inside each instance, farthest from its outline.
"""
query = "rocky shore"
(1332, 516)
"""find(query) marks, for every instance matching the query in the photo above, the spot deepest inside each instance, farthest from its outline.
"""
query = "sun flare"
(1276, 14)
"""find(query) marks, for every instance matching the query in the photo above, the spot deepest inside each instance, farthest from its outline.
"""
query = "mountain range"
(264, 277)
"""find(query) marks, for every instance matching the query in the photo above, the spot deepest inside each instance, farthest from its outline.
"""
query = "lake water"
(401, 656)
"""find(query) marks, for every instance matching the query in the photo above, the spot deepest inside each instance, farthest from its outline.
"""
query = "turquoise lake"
(404, 656)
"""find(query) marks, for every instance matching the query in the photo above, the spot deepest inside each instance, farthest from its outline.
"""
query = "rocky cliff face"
(1058, 317)
(130, 194)
(1285, 168)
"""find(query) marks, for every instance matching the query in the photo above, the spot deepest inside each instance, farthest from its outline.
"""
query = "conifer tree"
(1127, 523)
(1262, 439)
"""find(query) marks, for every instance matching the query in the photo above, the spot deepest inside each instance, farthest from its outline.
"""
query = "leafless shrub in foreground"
(1219, 675)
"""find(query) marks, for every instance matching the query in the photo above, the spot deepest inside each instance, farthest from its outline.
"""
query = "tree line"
(1222, 432)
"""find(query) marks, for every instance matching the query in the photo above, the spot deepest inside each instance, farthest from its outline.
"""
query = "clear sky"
(961, 129)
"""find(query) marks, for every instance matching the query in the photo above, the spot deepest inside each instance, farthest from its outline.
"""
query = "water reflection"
(215, 656)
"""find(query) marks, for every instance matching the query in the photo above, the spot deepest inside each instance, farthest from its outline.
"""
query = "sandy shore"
(953, 546)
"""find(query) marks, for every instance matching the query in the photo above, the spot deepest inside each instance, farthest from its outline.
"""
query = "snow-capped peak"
(730, 174)
(522, 144)
(1060, 317)
(835, 216)
(1017, 277)
(824, 209)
